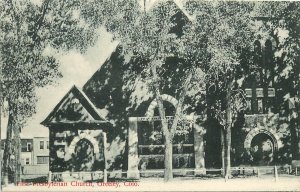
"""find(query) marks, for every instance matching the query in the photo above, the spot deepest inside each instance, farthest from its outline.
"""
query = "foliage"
(222, 30)
(29, 32)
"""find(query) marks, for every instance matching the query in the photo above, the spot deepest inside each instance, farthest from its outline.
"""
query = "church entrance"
(262, 145)
(83, 157)
(262, 150)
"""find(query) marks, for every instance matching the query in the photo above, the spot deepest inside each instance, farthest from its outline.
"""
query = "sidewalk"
(178, 184)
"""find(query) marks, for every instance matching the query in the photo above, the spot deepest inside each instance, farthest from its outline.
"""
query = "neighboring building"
(109, 102)
(33, 150)
(26, 151)
(41, 150)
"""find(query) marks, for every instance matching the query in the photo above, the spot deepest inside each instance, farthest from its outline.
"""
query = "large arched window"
(269, 62)
(258, 63)
(257, 53)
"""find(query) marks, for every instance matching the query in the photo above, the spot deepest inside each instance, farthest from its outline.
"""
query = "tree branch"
(178, 111)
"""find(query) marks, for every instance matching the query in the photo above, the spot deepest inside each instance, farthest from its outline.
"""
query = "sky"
(76, 69)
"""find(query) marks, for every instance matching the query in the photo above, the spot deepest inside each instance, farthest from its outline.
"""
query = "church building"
(112, 122)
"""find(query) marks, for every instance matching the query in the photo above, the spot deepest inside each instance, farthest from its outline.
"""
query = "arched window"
(257, 53)
(260, 94)
(268, 54)
(269, 63)
(257, 59)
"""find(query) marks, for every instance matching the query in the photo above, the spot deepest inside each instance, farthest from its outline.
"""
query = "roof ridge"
(84, 96)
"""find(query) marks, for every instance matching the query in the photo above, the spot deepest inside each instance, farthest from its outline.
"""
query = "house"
(34, 150)
(26, 151)
(40, 150)
(125, 110)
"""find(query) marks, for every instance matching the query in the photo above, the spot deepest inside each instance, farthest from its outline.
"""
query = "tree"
(208, 46)
(149, 41)
(227, 28)
(29, 34)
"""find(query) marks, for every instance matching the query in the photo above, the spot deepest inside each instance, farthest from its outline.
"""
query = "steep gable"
(75, 107)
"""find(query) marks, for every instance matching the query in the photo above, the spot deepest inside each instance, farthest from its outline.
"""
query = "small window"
(259, 92)
(28, 146)
(271, 92)
(249, 106)
(248, 93)
(27, 161)
(260, 106)
(47, 144)
(41, 144)
(42, 159)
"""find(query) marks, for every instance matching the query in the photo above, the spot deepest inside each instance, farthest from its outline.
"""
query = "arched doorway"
(262, 150)
(263, 146)
(83, 157)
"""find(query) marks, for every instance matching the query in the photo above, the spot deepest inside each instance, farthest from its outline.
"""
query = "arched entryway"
(83, 157)
(262, 150)
(263, 146)
(83, 154)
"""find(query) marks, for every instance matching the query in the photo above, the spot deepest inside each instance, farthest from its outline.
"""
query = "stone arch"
(88, 137)
(153, 104)
(272, 134)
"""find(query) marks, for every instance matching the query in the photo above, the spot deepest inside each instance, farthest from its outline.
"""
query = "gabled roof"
(152, 4)
(75, 107)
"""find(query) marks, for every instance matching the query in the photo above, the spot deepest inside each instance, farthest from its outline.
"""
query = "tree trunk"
(17, 149)
(178, 110)
(227, 152)
(168, 174)
(7, 149)
(169, 133)
(228, 125)
(223, 152)
(168, 161)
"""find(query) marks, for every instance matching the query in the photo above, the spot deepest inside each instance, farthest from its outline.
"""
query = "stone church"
(112, 121)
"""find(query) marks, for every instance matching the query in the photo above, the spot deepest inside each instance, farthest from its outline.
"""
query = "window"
(271, 92)
(259, 92)
(260, 108)
(249, 106)
(263, 101)
(47, 144)
(42, 159)
(28, 146)
(27, 161)
(248, 93)
(257, 53)
(151, 145)
(41, 144)
(269, 54)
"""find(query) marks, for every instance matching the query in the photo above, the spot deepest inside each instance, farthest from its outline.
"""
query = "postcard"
(149, 95)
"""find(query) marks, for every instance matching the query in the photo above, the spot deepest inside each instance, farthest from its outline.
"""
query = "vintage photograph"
(149, 95)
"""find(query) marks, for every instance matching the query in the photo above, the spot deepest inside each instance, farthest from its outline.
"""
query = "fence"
(266, 171)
